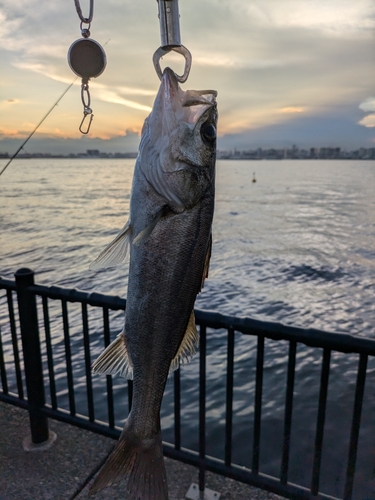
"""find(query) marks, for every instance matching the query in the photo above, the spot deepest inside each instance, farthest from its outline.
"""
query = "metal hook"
(162, 51)
(86, 112)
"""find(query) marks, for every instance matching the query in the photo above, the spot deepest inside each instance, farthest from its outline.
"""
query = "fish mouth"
(169, 80)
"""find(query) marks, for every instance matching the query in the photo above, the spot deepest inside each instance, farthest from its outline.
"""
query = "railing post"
(40, 436)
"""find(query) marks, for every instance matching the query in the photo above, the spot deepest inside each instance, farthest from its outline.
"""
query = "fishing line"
(36, 128)
(39, 124)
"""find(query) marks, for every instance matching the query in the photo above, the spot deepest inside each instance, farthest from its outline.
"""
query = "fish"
(169, 238)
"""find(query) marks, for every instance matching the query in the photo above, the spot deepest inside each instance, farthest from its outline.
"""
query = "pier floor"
(57, 473)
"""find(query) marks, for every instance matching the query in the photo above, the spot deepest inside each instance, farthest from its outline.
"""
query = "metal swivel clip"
(86, 59)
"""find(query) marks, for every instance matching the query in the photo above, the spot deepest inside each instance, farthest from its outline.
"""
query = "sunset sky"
(286, 71)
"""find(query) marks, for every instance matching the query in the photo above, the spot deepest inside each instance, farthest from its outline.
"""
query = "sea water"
(297, 246)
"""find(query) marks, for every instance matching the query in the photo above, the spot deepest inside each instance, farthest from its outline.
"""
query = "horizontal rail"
(311, 337)
(14, 400)
(6, 284)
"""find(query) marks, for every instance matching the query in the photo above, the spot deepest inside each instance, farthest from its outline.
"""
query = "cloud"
(333, 17)
(136, 91)
(9, 102)
(113, 97)
(9, 132)
(45, 70)
(368, 104)
(368, 121)
(225, 61)
(17, 133)
(292, 109)
(104, 93)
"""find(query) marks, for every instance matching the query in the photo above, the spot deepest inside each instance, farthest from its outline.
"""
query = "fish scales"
(171, 281)
(169, 235)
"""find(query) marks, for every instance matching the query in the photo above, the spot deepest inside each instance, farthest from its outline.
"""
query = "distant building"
(93, 152)
(294, 152)
(329, 153)
(224, 154)
(314, 153)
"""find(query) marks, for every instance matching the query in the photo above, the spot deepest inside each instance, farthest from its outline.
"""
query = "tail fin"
(142, 461)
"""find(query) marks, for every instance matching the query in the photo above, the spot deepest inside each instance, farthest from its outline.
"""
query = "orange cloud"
(10, 132)
(368, 121)
(292, 109)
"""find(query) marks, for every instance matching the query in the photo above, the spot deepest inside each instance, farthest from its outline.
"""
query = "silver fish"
(169, 235)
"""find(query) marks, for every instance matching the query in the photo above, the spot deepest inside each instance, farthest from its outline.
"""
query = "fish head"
(181, 131)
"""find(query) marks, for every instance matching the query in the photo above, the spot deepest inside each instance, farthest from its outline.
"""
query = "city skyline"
(293, 72)
(330, 153)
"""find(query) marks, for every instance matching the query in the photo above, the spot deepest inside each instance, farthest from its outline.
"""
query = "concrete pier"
(58, 473)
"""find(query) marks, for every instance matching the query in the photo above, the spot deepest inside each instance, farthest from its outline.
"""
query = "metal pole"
(169, 18)
(32, 357)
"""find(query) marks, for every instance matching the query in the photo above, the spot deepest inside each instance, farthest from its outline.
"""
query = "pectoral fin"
(188, 346)
(148, 230)
(116, 251)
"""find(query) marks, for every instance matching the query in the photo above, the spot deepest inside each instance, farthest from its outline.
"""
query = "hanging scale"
(169, 19)
(86, 59)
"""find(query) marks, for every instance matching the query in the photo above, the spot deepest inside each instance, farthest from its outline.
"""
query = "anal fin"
(188, 346)
(115, 359)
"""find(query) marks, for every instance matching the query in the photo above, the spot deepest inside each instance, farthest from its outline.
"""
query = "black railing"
(33, 365)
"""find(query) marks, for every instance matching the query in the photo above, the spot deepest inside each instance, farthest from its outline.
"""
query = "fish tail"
(139, 459)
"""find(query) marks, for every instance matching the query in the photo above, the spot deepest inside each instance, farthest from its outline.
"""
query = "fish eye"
(208, 132)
